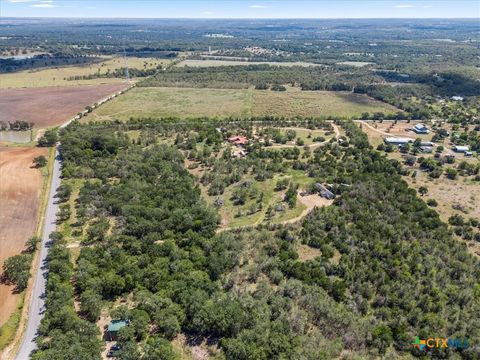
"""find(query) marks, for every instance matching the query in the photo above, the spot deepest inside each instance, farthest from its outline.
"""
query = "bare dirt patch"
(49, 106)
(195, 348)
(311, 202)
(306, 253)
(20, 187)
(450, 193)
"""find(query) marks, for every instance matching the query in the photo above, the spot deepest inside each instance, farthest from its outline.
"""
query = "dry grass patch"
(176, 102)
(295, 102)
(449, 193)
(306, 252)
(239, 103)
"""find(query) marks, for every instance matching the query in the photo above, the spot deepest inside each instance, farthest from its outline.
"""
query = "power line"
(127, 74)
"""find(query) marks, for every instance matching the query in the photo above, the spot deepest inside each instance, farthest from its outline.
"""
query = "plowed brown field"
(20, 187)
(50, 106)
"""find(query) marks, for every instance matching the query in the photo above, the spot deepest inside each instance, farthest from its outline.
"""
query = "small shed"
(238, 140)
(421, 129)
(398, 140)
(426, 149)
(461, 148)
(218, 202)
(113, 328)
(324, 192)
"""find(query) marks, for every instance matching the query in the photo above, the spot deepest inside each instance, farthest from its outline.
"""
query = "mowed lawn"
(194, 102)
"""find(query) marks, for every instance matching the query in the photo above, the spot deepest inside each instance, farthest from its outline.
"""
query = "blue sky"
(241, 9)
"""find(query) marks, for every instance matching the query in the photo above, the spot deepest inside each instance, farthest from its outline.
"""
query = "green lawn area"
(67, 227)
(239, 215)
(194, 102)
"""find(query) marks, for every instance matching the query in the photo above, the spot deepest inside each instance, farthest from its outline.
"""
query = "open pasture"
(196, 102)
(58, 76)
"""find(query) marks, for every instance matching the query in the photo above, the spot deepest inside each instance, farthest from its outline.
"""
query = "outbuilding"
(113, 328)
(324, 192)
(238, 140)
(460, 148)
(398, 140)
(421, 129)
(426, 149)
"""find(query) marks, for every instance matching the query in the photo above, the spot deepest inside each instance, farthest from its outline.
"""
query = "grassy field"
(239, 215)
(193, 102)
(67, 228)
(57, 76)
(176, 102)
(295, 102)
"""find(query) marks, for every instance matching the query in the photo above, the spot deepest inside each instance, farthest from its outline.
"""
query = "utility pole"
(127, 75)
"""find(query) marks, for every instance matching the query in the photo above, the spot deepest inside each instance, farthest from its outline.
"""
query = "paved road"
(37, 302)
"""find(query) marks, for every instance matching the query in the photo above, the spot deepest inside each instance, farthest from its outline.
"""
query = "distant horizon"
(193, 18)
(241, 9)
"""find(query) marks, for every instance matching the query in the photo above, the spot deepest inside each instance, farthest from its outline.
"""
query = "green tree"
(50, 138)
(451, 173)
(90, 305)
(422, 190)
(31, 244)
(40, 161)
(291, 195)
(16, 270)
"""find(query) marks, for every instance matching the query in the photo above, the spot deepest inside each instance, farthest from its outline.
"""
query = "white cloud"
(207, 13)
(258, 6)
(404, 6)
(43, 5)
(20, 1)
(30, 1)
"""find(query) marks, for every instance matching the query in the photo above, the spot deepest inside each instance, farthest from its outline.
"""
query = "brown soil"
(311, 201)
(51, 106)
(20, 187)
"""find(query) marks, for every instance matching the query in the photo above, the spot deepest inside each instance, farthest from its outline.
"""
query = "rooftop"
(116, 325)
(238, 140)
